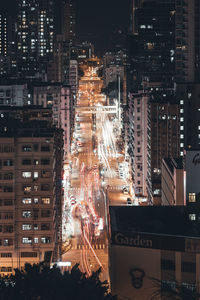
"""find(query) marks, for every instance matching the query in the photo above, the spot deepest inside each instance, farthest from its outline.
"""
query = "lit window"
(192, 197)
(26, 174)
(35, 175)
(182, 145)
(26, 200)
(182, 127)
(181, 110)
(36, 240)
(192, 217)
(26, 240)
(26, 148)
(45, 240)
(35, 200)
(182, 136)
(35, 227)
(181, 101)
(182, 119)
(26, 214)
(27, 189)
(26, 227)
(45, 200)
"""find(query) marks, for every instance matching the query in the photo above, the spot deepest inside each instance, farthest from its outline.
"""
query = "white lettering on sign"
(137, 241)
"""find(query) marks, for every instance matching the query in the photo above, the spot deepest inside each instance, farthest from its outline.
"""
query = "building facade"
(35, 36)
(59, 98)
(31, 197)
(172, 185)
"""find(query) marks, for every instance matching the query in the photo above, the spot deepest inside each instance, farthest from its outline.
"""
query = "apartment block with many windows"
(30, 193)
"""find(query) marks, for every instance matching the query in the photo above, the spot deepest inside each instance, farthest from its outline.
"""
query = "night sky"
(96, 19)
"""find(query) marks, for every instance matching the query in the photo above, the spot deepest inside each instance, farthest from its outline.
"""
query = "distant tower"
(68, 20)
(35, 34)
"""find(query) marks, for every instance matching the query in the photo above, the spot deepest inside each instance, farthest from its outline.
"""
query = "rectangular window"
(45, 161)
(8, 162)
(26, 148)
(188, 267)
(26, 214)
(26, 189)
(35, 227)
(6, 254)
(35, 200)
(26, 174)
(26, 240)
(8, 216)
(26, 227)
(45, 148)
(45, 200)
(28, 254)
(36, 240)
(8, 202)
(45, 226)
(35, 175)
(45, 240)
(36, 162)
(167, 264)
(8, 228)
(8, 189)
(8, 176)
(45, 174)
(45, 213)
(45, 187)
(26, 162)
(192, 217)
(26, 201)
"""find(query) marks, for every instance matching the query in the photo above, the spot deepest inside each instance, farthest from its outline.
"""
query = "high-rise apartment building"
(187, 41)
(30, 187)
(165, 134)
(59, 98)
(35, 36)
(152, 47)
(139, 142)
(68, 20)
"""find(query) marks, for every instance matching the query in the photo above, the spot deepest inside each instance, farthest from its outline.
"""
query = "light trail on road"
(92, 168)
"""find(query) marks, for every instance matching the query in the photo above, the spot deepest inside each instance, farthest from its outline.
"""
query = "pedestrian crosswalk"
(94, 246)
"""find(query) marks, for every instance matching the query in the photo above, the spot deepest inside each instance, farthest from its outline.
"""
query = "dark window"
(8, 176)
(6, 254)
(35, 147)
(189, 267)
(45, 213)
(8, 228)
(8, 189)
(45, 148)
(45, 226)
(8, 162)
(45, 161)
(167, 264)
(45, 187)
(8, 202)
(26, 162)
(28, 254)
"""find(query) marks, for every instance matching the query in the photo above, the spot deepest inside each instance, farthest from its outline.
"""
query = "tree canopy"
(40, 282)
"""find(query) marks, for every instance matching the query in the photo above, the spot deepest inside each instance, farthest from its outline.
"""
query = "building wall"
(172, 184)
(59, 99)
(169, 266)
(29, 202)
